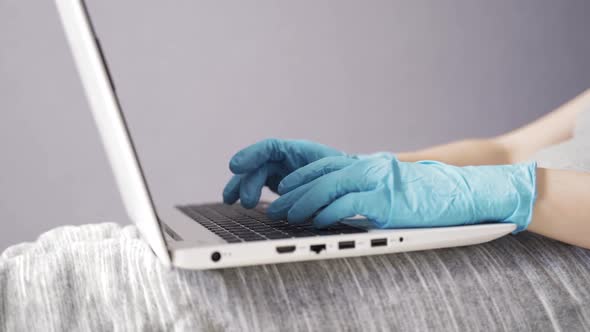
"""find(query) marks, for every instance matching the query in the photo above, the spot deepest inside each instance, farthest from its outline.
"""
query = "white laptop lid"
(111, 123)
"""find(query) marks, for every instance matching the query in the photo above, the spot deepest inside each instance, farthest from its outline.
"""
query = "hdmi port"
(285, 249)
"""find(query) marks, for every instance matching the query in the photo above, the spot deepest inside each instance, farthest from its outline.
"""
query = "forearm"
(463, 153)
(562, 208)
(516, 146)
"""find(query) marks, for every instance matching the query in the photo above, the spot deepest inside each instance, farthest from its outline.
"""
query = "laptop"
(210, 236)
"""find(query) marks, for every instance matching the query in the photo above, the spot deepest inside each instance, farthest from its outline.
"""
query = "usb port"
(346, 245)
(379, 242)
(285, 249)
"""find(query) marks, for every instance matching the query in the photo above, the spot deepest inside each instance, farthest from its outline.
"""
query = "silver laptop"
(208, 236)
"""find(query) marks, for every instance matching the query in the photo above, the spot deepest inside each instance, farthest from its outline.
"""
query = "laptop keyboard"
(235, 224)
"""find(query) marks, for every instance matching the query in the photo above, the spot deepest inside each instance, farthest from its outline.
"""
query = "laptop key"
(296, 232)
(262, 228)
(305, 234)
(243, 233)
(253, 238)
(233, 228)
(351, 231)
(323, 232)
(233, 240)
(275, 236)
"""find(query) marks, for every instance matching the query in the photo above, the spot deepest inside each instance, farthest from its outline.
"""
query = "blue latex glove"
(396, 194)
(267, 163)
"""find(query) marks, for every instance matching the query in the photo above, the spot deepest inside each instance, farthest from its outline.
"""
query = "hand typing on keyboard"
(266, 163)
(326, 185)
(396, 194)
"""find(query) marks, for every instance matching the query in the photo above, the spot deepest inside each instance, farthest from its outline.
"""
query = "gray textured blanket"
(104, 277)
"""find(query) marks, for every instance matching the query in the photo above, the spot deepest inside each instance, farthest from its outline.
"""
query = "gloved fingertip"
(229, 199)
(248, 203)
(282, 188)
(231, 192)
(295, 217)
(235, 166)
(274, 215)
(321, 225)
(274, 207)
(275, 212)
(230, 196)
(288, 183)
(250, 197)
(320, 220)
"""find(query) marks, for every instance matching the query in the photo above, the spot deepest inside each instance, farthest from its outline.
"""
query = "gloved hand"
(396, 194)
(267, 163)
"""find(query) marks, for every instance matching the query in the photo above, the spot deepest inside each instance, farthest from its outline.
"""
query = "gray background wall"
(200, 79)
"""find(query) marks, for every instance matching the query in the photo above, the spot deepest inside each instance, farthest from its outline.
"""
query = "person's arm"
(463, 153)
(512, 147)
(562, 207)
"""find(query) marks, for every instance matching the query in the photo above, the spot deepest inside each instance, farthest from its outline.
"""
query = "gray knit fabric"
(104, 277)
